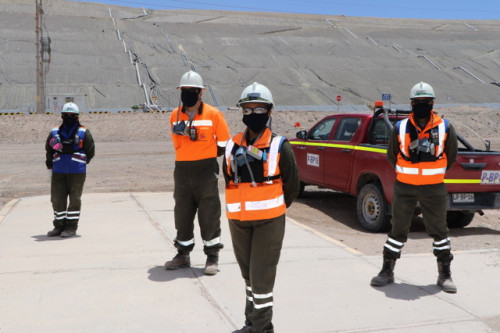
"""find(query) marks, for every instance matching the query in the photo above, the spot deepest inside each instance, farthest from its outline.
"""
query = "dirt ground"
(134, 153)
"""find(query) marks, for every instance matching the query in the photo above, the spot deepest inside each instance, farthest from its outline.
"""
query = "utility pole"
(42, 56)
(40, 86)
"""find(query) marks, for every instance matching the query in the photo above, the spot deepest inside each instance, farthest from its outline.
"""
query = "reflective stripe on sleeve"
(222, 144)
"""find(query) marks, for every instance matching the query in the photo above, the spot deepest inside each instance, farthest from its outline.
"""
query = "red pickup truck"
(347, 153)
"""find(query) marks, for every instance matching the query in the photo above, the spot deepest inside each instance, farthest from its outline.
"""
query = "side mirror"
(301, 134)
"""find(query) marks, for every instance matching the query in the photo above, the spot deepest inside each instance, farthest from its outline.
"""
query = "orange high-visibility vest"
(211, 129)
(265, 200)
(419, 168)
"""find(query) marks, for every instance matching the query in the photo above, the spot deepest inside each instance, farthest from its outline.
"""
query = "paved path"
(110, 278)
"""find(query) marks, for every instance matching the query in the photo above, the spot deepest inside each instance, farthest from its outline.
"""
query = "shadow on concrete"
(44, 238)
(342, 208)
(339, 206)
(160, 274)
(408, 292)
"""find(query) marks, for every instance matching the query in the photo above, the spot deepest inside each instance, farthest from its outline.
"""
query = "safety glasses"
(257, 110)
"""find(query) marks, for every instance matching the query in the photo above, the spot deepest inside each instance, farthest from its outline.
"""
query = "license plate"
(490, 177)
(462, 197)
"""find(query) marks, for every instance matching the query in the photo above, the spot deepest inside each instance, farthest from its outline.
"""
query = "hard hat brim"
(202, 88)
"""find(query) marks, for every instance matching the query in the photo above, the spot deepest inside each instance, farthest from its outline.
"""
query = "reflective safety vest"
(264, 199)
(211, 132)
(415, 164)
(73, 158)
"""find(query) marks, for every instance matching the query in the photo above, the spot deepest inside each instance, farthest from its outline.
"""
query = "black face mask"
(256, 122)
(69, 121)
(422, 110)
(189, 98)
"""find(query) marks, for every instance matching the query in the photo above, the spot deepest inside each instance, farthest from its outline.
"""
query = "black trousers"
(196, 191)
(257, 247)
(63, 187)
(432, 200)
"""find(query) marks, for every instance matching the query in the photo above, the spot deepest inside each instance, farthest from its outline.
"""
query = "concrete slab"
(111, 278)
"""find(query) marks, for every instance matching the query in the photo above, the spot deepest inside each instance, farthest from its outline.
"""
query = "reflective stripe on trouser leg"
(212, 247)
(184, 246)
(257, 247)
(249, 308)
(392, 248)
(59, 219)
(60, 216)
(75, 190)
(184, 210)
(209, 206)
(267, 242)
(404, 202)
(442, 249)
(196, 191)
(59, 196)
(73, 216)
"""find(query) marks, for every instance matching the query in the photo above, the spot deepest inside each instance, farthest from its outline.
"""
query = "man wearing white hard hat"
(261, 183)
(421, 148)
(69, 148)
(199, 134)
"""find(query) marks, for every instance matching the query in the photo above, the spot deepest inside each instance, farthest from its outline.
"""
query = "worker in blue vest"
(69, 148)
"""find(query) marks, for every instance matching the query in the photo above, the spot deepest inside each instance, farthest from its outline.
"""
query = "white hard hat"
(422, 90)
(70, 108)
(191, 79)
(256, 93)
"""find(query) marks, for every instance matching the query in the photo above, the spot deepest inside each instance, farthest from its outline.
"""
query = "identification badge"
(255, 152)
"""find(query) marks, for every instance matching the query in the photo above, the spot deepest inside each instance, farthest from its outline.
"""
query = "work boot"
(444, 278)
(69, 229)
(55, 232)
(212, 265)
(386, 274)
(244, 329)
(181, 260)
(58, 229)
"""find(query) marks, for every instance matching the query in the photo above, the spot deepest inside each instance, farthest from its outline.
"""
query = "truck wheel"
(458, 218)
(371, 208)
(301, 189)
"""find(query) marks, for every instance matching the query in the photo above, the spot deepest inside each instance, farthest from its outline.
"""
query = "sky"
(422, 9)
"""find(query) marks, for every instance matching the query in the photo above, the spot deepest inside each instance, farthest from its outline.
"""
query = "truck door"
(311, 154)
(339, 155)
